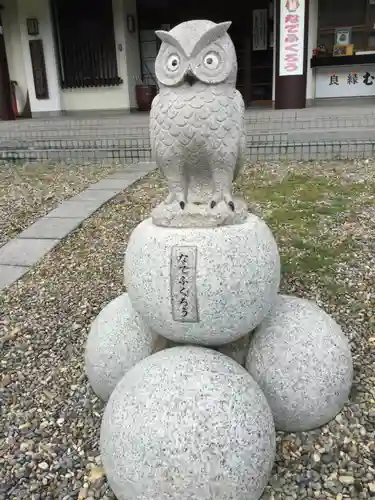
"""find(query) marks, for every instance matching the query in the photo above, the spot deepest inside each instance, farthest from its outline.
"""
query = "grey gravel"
(31, 190)
(49, 437)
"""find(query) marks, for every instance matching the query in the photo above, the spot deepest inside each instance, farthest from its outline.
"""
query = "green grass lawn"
(320, 219)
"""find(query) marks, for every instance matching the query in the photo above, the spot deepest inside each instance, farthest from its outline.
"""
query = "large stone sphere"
(118, 339)
(207, 286)
(237, 350)
(187, 422)
(302, 361)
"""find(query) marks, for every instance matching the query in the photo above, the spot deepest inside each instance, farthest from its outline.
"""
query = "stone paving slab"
(10, 274)
(113, 184)
(130, 176)
(25, 252)
(51, 228)
(19, 254)
(75, 209)
(103, 195)
(141, 167)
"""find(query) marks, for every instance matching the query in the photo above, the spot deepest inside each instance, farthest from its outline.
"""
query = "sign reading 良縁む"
(345, 81)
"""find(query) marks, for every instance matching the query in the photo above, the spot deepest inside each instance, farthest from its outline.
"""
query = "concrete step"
(350, 134)
(319, 124)
(109, 139)
(256, 150)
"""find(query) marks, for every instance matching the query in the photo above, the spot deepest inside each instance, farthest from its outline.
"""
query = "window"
(85, 41)
(358, 15)
(337, 13)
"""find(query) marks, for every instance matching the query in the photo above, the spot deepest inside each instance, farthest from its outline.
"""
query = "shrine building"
(73, 56)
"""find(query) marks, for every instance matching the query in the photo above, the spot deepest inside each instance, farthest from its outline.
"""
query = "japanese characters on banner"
(292, 34)
(345, 81)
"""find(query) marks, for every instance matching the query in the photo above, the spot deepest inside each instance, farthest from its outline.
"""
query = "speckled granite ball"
(301, 359)
(237, 350)
(118, 339)
(206, 286)
(187, 422)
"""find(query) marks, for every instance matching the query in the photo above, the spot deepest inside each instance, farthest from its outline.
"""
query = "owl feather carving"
(196, 120)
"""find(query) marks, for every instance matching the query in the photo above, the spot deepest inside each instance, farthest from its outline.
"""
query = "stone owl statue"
(196, 120)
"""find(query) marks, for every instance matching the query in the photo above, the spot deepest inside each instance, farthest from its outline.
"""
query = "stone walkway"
(31, 245)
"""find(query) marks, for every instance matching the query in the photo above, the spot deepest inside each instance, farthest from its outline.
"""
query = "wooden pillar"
(6, 108)
(247, 66)
(292, 17)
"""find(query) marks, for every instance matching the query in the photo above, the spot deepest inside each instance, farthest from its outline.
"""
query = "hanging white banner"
(292, 34)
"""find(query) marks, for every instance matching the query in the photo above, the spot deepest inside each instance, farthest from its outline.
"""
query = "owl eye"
(173, 62)
(211, 60)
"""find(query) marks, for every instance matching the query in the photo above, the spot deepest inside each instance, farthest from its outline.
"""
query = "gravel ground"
(29, 191)
(322, 215)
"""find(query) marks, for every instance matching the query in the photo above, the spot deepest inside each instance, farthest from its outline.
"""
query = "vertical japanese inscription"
(183, 284)
(39, 69)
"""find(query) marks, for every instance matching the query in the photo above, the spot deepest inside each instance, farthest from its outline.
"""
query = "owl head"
(196, 51)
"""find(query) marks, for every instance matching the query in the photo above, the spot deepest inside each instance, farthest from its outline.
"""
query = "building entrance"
(251, 32)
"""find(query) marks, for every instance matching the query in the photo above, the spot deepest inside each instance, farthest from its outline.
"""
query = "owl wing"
(154, 114)
(241, 159)
(167, 120)
(168, 140)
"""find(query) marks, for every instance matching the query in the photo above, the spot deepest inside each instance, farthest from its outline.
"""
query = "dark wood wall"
(6, 109)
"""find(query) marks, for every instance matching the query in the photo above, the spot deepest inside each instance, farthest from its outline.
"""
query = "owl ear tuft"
(211, 35)
(225, 26)
(166, 37)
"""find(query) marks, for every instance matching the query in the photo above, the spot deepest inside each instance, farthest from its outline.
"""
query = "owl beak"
(190, 78)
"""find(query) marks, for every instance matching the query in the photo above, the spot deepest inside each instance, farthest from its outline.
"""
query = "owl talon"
(231, 205)
(182, 205)
(213, 204)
